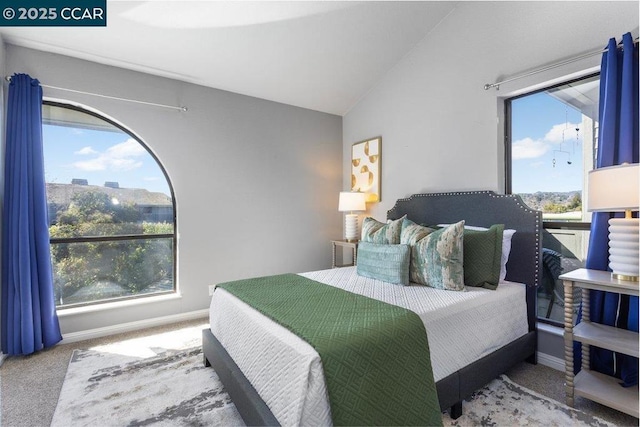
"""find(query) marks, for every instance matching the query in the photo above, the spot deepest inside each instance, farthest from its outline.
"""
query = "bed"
(478, 208)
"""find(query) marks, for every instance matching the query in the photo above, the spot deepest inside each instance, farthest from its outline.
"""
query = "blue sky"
(99, 156)
(540, 124)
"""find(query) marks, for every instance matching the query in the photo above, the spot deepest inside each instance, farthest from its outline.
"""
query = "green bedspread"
(375, 355)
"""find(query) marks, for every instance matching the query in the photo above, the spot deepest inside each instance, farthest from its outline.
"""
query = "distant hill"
(541, 199)
(61, 194)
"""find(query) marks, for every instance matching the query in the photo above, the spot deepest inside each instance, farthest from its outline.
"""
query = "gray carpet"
(550, 382)
(24, 405)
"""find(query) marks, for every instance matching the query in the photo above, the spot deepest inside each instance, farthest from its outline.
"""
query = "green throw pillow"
(482, 255)
(378, 232)
(437, 259)
(389, 263)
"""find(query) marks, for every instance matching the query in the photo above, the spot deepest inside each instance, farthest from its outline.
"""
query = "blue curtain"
(617, 144)
(29, 320)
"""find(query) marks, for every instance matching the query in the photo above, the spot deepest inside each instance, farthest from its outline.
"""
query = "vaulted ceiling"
(321, 55)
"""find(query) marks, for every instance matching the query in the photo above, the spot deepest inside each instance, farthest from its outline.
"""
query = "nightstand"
(593, 385)
(344, 245)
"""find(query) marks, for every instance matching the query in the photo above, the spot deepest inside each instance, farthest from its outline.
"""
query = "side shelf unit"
(344, 245)
(593, 385)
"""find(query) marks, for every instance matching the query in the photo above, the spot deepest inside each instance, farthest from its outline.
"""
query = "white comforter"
(287, 372)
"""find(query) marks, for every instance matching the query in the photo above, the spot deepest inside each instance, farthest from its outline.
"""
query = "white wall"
(440, 129)
(256, 182)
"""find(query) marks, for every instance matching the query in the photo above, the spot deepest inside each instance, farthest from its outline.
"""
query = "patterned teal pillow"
(412, 233)
(389, 263)
(437, 259)
(378, 232)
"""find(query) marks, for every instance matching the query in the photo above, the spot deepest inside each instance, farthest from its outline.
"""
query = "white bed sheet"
(287, 372)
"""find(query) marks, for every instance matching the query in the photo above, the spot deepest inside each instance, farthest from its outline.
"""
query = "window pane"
(100, 180)
(83, 212)
(553, 145)
(569, 248)
(105, 192)
(87, 272)
(552, 148)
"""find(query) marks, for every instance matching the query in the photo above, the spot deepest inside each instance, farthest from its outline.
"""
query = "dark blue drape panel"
(29, 321)
(618, 143)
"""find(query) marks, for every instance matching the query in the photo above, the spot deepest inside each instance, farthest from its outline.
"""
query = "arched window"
(111, 210)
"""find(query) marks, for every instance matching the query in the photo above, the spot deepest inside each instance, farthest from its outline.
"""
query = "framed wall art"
(365, 168)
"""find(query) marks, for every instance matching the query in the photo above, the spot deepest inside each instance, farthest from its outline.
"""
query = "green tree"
(575, 203)
(572, 205)
(553, 207)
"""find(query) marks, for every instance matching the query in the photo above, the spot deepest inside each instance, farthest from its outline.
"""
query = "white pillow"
(506, 250)
(507, 234)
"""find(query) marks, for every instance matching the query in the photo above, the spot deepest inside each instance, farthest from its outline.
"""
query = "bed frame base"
(249, 404)
(455, 411)
(451, 390)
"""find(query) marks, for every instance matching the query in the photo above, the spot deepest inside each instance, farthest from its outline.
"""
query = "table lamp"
(351, 202)
(615, 189)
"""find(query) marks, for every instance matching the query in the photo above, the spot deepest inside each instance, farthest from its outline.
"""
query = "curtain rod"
(173, 107)
(549, 67)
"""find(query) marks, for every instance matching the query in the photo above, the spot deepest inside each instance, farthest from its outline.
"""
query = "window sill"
(550, 329)
(63, 312)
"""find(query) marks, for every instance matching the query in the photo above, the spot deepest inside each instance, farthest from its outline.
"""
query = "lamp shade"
(351, 201)
(614, 188)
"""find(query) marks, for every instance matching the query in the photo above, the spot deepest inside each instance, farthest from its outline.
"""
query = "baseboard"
(132, 326)
(551, 361)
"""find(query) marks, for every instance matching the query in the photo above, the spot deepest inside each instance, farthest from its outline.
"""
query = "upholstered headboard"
(485, 208)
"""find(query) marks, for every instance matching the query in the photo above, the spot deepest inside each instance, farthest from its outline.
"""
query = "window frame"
(508, 166)
(507, 125)
(123, 237)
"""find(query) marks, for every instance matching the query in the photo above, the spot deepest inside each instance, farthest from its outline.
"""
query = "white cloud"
(555, 134)
(129, 148)
(86, 151)
(528, 148)
(119, 157)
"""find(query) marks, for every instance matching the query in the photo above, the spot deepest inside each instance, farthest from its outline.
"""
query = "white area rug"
(161, 380)
(505, 403)
(157, 380)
